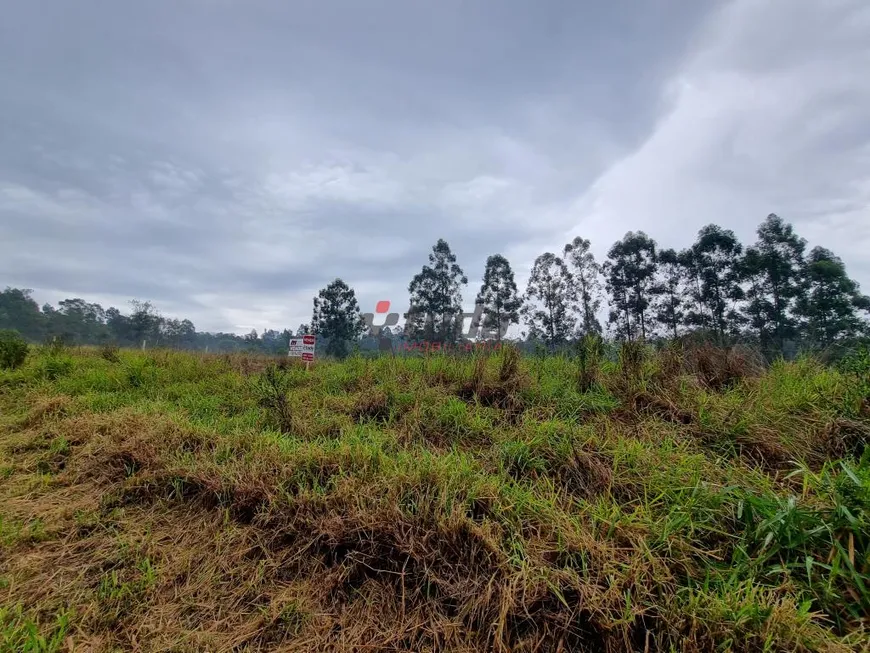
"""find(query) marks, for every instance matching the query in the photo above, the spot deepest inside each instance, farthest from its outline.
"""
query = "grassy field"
(683, 501)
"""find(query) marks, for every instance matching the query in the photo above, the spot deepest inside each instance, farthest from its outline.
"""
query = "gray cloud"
(225, 159)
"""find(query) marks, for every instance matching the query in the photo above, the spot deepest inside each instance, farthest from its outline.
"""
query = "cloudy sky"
(225, 159)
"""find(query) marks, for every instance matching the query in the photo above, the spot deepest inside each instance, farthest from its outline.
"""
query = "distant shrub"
(13, 349)
(110, 353)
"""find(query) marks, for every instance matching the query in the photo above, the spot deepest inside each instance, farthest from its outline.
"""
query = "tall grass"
(679, 500)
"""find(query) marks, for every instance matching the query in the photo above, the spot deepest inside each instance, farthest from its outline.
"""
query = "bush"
(140, 371)
(13, 349)
(856, 362)
(54, 367)
(271, 389)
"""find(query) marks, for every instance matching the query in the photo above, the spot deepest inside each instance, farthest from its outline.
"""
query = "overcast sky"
(225, 159)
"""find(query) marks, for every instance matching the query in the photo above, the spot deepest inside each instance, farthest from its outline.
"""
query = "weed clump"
(509, 366)
(823, 548)
(590, 350)
(53, 367)
(632, 355)
(138, 372)
(271, 389)
(109, 352)
(503, 392)
(719, 368)
(20, 631)
(372, 405)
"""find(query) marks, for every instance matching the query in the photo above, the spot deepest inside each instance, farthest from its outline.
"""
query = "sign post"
(303, 347)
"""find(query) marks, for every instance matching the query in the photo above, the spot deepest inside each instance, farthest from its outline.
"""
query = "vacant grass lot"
(686, 501)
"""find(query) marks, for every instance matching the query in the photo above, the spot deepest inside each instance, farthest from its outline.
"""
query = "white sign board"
(302, 347)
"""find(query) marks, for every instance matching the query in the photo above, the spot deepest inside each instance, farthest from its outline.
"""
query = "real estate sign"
(302, 347)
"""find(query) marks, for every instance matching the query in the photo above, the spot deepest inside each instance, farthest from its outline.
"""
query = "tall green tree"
(77, 320)
(498, 298)
(772, 269)
(337, 318)
(586, 273)
(179, 334)
(715, 263)
(436, 298)
(119, 325)
(274, 342)
(830, 301)
(19, 311)
(144, 322)
(671, 290)
(549, 300)
(630, 278)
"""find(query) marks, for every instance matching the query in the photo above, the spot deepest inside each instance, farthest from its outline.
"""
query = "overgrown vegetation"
(689, 499)
(13, 349)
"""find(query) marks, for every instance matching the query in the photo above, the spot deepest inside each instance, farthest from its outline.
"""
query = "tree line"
(773, 294)
(79, 322)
